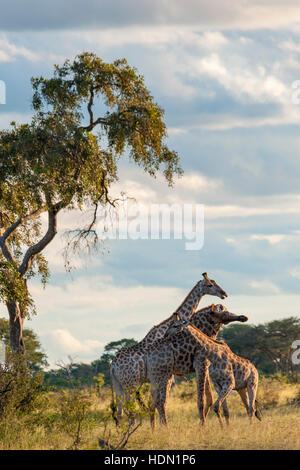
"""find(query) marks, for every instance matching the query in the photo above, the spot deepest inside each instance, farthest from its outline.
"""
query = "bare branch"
(88, 236)
(90, 105)
(93, 123)
(90, 127)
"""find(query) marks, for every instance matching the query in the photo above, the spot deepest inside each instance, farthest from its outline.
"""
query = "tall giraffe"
(228, 371)
(179, 354)
(127, 369)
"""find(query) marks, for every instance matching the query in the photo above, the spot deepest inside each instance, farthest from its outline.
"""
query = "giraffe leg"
(120, 394)
(163, 390)
(225, 411)
(244, 396)
(223, 391)
(120, 397)
(201, 379)
(208, 397)
(152, 407)
(216, 406)
(252, 389)
(224, 403)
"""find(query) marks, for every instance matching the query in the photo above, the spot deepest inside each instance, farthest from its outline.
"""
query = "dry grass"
(280, 428)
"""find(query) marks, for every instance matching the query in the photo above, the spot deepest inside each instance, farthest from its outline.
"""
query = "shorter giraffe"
(179, 354)
(227, 370)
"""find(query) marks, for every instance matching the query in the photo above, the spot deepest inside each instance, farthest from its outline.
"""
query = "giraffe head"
(220, 314)
(176, 327)
(210, 287)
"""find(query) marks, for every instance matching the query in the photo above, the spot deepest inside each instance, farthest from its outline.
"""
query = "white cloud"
(134, 189)
(295, 272)
(265, 287)
(290, 45)
(19, 118)
(154, 36)
(230, 240)
(67, 344)
(271, 238)
(194, 181)
(242, 81)
(264, 205)
(176, 131)
(9, 51)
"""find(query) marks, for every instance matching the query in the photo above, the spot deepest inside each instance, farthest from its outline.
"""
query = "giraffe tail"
(258, 412)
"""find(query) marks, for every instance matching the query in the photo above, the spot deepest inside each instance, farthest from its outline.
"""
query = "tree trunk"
(16, 320)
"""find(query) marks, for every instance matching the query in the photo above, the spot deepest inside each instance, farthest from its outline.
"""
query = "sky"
(226, 75)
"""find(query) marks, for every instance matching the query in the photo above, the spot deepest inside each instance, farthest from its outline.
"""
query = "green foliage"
(132, 121)
(115, 346)
(267, 345)
(74, 408)
(35, 356)
(13, 287)
(99, 382)
(136, 408)
(20, 391)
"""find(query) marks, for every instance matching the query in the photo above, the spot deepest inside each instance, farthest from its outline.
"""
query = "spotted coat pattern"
(180, 354)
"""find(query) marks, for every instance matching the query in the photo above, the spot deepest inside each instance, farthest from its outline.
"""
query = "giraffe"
(228, 371)
(127, 368)
(180, 354)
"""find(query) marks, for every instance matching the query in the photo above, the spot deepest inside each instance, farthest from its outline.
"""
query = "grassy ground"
(280, 428)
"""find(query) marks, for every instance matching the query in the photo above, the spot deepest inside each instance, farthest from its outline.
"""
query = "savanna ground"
(79, 418)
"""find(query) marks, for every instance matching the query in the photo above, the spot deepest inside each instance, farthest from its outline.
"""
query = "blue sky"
(223, 74)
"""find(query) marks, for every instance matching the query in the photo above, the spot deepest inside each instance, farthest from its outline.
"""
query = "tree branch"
(90, 105)
(47, 238)
(21, 220)
(93, 123)
(6, 251)
(90, 127)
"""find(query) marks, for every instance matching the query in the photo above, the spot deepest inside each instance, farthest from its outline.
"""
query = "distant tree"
(36, 357)
(73, 374)
(115, 346)
(58, 162)
(268, 345)
(110, 350)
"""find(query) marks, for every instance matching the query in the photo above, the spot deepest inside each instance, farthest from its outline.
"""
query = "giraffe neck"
(204, 322)
(209, 346)
(157, 332)
(191, 302)
(184, 311)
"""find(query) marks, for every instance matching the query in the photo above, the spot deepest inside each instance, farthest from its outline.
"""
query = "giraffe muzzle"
(243, 319)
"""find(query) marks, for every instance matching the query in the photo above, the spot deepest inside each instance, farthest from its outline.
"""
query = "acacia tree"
(58, 162)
